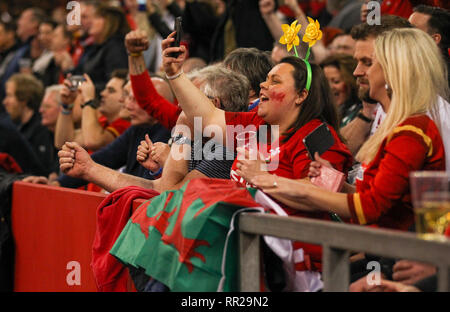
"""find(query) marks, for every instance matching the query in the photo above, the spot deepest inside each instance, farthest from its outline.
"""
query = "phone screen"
(319, 140)
(178, 35)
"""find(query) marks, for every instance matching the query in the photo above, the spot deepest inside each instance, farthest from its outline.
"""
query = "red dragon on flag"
(179, 236)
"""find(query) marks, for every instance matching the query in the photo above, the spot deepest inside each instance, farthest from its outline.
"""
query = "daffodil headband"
(290, 38)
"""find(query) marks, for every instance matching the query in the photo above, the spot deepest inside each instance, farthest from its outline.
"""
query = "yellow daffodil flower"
(313, 32)
(290, 35)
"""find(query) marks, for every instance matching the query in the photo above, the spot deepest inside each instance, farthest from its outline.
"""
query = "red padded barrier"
(53, 226)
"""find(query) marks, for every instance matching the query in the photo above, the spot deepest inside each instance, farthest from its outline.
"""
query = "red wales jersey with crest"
(293, 163)
(383, 196)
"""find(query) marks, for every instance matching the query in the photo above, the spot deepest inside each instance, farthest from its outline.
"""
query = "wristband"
(135, 54)
(175, 76)
(364, 118)
(179, 140)
(66, 106)
(90, 103)
(66, 111)
(155, 173)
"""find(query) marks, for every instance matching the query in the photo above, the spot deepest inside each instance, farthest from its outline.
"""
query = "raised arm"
(319, 49)
(193, 102)
(94, 135)
(65, 130)
(144, 91)
(268, 13)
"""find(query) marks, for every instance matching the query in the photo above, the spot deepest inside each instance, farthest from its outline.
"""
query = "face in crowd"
(338, 87)
(59, 42)
(110, 103)
(343, 44)
(278, 95)
(364, 51)
(49, 110)
(375, 76)
(45, 35)
(86, 16)
(97, 27)
(13, 106)
(26, 25)
(137, 115)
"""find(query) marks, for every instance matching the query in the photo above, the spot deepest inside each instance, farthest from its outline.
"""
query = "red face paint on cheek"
(277, 96)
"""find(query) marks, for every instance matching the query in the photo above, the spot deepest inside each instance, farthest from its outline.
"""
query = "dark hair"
(388, 22)
(115, 21)
(120, 73)
(319, 103)
(252, 63)
(341, 34)
(9, 26)
(50, 22)
(439, 23)
(38, 14)
(346, 65)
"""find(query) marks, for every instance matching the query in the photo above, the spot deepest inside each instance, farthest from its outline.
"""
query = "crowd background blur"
(104, 86)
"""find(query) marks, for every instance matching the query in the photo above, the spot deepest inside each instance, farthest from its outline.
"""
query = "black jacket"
(100, 60)
(250, 28)
(42, 141)
(16, 145)
(6, 239)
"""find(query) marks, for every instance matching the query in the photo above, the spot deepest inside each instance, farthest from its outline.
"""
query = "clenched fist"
(136, 41)
(144, 157)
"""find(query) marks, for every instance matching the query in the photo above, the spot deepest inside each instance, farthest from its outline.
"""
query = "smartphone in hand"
(319, 140)
(179, 33)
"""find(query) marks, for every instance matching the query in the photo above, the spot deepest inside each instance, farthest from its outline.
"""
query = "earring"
(388, 90)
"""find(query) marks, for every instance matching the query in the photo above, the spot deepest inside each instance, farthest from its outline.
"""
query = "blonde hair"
(415, 71)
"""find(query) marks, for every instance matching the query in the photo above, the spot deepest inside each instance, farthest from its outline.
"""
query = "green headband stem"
(308, 69)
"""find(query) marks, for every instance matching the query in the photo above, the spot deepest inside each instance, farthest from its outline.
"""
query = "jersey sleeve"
(405, 151)
(152, 102)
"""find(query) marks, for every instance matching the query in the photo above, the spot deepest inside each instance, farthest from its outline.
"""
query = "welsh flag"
(183, 238)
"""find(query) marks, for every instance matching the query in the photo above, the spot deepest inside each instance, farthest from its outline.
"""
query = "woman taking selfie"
(406, 78)
(284, 102)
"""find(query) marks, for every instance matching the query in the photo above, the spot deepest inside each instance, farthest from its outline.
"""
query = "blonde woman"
(406, 78)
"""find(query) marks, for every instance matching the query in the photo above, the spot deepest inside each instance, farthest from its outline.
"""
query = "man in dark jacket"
(13, 143)
(23, 98)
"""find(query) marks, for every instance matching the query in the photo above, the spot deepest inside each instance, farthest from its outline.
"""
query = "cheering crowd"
(111, 104)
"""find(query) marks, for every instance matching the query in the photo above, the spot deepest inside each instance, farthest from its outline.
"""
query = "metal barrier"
(337, 240)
